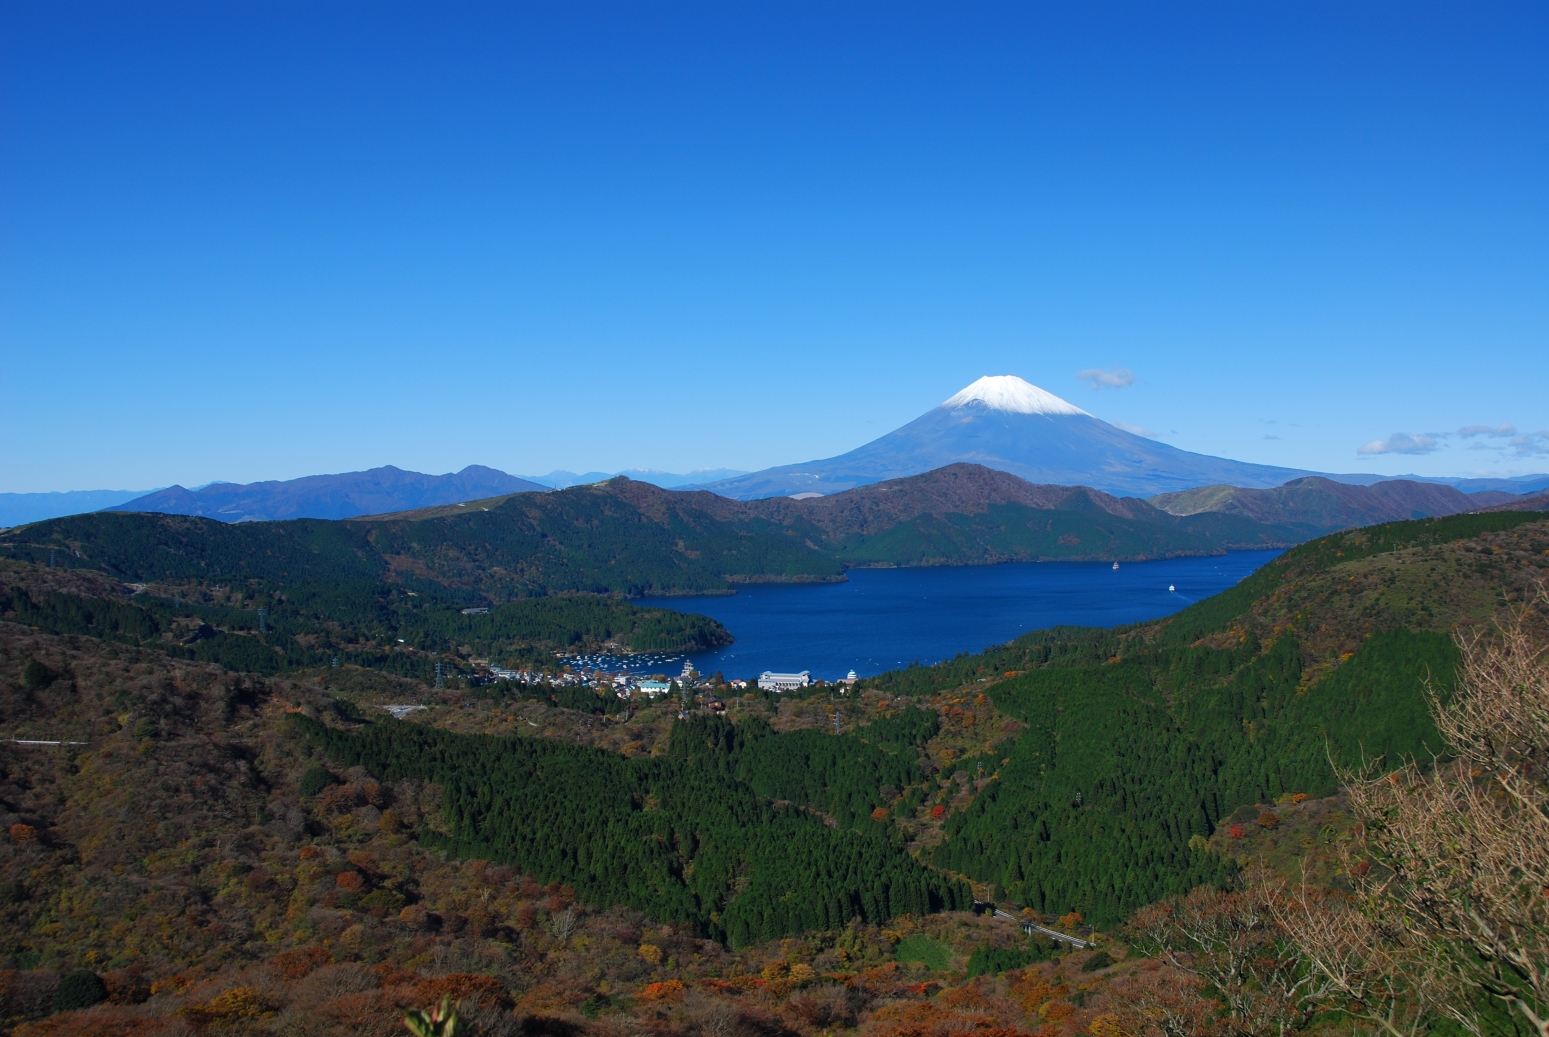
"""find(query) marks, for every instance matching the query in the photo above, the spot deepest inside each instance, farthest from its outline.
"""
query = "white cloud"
(1117, 378)
(1271, 437)
(1134, 430)
(1403, 443)
(1504, 430)
(1531, 444)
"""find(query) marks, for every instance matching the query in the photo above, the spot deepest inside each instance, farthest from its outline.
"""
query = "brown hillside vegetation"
(194, 867)
(175, 857)
(1325, 505)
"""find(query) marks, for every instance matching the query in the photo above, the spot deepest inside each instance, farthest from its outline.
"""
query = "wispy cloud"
(1271, 437)
(1135, 430)
(1115, 378)
(1403, 443)
(1531, 444)
(1504, 430)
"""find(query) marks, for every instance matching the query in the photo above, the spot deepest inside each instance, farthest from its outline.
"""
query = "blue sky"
(269, 240)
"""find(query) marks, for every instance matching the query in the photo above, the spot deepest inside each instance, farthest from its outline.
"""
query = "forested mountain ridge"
(969, 514)
(634, 539)
(330, 496)
(370, 624)
(1141, 741)
(963, 514)
(584, 540)
(1317, 505)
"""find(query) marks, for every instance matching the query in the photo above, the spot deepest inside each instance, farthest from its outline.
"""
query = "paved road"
(1075, 941)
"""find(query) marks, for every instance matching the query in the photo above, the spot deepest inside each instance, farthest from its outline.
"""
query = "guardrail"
(1031, 927)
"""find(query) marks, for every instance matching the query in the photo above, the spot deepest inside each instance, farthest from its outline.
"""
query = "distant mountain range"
(970, 514)
(346, 495)
(1317, 505)
(560, 480)
(1000, 422)
(634, 539)
(1006, 423)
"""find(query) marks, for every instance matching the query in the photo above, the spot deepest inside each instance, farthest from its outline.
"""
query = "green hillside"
(585, 539)
(683, 838)
(632, 539)
(1018, 533)
(356, 622)
(1140, 739)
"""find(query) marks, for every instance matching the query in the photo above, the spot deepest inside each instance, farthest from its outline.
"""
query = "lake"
(886, 618)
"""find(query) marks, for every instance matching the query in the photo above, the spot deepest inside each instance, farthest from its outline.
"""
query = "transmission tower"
(438, 676)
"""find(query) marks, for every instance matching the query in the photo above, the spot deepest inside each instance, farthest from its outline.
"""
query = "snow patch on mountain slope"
(1010, 393)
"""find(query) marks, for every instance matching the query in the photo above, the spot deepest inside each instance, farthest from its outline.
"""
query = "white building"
(655, 688)
(771, 681)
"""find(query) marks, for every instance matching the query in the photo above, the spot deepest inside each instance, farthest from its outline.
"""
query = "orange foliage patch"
(178, 983)
(236, 1003)
(1056, 1011)
(390, 975)
(667, 990)
(21, 833)
(879, 976)
(879, 814)
(928, 1019)
(461, 985)
(352, 881)
(128, 986)
(1036, 991)
(294, 964)
(364, 861)
(377, 1013)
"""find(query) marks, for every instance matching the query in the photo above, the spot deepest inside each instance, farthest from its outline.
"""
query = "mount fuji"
(1006, 423)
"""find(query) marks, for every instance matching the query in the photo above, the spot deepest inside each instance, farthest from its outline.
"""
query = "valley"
(803, 861)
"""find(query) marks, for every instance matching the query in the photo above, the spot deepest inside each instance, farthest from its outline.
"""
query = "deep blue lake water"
(885, 618)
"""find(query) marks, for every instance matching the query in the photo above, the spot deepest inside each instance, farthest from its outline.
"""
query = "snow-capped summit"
(1005, 423)
(1009, 393)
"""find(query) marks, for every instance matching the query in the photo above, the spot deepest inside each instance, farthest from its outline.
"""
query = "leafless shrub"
(329, 982)
(1157, 1002)
(1451, 866)
(487, 1018)
(711, 1016)
(28, 994)
(1231, 943)
(831, 1005)
(563, 925)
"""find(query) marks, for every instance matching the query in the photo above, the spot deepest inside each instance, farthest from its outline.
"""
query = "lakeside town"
(615, 675)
